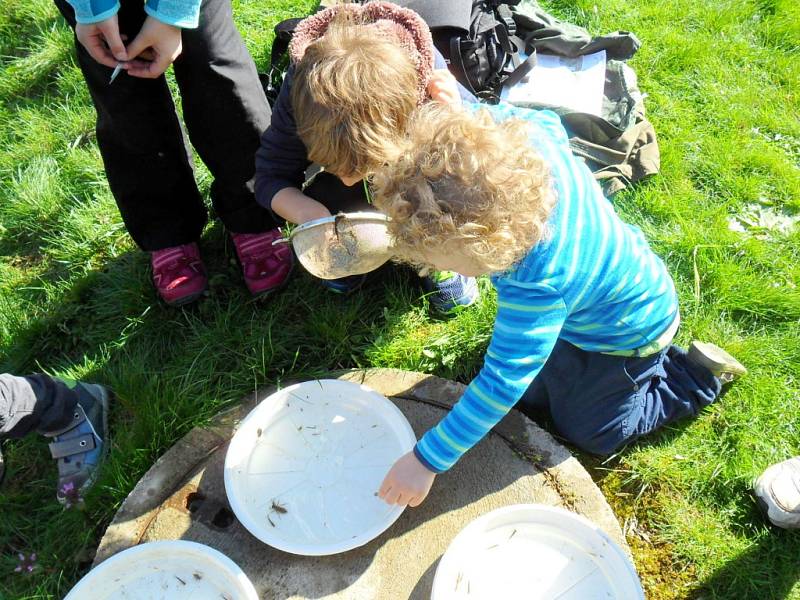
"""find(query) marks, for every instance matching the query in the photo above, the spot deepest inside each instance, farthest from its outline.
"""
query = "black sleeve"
(282, 159)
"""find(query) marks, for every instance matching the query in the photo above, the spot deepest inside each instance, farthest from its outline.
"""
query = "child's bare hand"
(407, 483)
(102, 41)
(294, 206)
(443, 88)
(154, 49)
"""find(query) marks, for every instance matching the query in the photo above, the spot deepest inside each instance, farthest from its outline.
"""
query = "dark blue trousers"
(601, 402)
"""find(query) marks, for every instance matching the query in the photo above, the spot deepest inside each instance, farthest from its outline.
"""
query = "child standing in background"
(148, 161)
(586, 311)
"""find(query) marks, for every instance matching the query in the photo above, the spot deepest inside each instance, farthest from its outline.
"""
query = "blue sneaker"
(80, 447)
(344, 285)
(449, 292)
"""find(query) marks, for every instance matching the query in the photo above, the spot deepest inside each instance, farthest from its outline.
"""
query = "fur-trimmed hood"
(388, 20)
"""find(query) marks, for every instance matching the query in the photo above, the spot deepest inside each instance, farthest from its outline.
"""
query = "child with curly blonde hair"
(586, 311)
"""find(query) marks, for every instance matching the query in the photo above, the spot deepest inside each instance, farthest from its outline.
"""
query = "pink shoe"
(179, 274)
(266, 267)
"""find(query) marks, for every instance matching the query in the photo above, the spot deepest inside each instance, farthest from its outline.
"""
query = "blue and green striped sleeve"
(529, 320)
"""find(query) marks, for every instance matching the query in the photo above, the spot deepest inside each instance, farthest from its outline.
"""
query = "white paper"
(575, 83)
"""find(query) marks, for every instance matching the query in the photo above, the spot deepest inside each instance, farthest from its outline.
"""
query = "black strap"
(519, 73)
(77, 445)
(457, 64)
(283, 35)
(273, 79)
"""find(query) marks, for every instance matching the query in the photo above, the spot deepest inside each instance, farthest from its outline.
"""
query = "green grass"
(723, 86)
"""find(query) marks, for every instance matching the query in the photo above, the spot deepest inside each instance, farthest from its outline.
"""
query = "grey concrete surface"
(183, 497)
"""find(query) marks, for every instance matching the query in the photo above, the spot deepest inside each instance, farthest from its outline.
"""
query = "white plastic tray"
(303, 470)
(170, 570)
(534, 552)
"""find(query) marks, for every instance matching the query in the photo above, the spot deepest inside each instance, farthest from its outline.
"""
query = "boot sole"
(186, 299)
(715, 358)
(275, 289)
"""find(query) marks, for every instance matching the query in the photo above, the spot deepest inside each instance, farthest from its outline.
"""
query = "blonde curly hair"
(464, 183)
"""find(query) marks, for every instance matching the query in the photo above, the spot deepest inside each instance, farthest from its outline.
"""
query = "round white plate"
(172, 570)
(534, 552)
(303, 470)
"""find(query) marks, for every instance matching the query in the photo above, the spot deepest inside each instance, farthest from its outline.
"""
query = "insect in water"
(181, 580)
(197, 576)
(259, 432)
(276, 508)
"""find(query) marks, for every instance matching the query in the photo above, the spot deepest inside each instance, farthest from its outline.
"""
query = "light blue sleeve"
(94, 11)
(529, 321)
(179, 13)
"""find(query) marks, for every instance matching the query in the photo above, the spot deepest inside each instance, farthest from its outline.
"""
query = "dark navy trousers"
(600, 402)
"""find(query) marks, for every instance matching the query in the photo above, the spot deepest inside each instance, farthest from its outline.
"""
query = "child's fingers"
(149, 69)
(110, 31)
(99, 51)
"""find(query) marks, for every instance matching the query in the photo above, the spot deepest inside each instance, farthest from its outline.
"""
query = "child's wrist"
(294, 206)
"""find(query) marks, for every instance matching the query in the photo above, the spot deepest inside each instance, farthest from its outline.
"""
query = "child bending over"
(357, 73)
(586, 311)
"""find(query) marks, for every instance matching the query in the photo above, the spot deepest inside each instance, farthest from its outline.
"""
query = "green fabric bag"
(620, 145)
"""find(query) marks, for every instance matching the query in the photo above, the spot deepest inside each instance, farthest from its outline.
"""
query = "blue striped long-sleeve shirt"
(179, 13)
(593, 281)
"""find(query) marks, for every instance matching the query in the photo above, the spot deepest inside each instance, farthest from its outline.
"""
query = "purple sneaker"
(266, 267)
(179, 274)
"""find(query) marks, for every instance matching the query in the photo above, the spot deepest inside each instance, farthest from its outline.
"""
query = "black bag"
(483, 54)
(476, 37)
(278, 59)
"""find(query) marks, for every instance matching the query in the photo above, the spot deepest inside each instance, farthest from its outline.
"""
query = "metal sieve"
(342, 245)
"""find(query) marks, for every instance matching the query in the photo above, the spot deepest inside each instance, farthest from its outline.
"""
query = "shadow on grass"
(171, 369)
(768, 570)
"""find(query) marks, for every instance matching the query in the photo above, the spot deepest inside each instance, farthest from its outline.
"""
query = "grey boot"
(80, 447)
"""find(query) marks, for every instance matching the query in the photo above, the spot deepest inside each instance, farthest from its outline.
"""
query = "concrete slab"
(183, 497)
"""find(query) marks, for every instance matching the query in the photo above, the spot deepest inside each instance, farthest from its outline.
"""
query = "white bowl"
(169, 570)
(303, 470)
(534, 552)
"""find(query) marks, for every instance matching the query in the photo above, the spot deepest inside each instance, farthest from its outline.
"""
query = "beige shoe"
(716, 360)
(778, 493)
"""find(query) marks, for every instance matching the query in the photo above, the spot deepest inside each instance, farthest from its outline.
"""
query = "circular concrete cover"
(183, 497)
